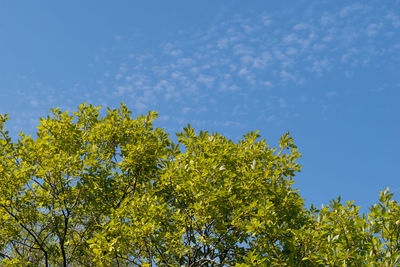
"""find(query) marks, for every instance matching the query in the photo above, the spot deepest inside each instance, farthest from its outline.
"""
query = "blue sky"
(327, 71)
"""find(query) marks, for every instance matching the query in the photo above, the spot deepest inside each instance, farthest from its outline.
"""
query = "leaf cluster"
(114, 190)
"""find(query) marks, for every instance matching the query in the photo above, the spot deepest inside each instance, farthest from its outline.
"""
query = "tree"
(116, 191)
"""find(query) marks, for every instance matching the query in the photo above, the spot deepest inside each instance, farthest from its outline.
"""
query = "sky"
(326, 71)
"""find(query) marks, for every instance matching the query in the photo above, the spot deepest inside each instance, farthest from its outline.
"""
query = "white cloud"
(123, 90)
(241, 49)
(300, 26)
(395, 19)
(164, 118)
(248, 29)
(350, 56)
(270, 118)
(291, 51)
(266, 20)
(290, 38)
(227, 123)
(262, 61)
(267, 84)
(320, 65)
(226, 87)
(207, 80)
(327, 19)
(223, 43)
(331, 94)
(163, 85)
(34, 103)
(350, 9)
(184, 62)
(285, 75)
(243, 72)
(186, 110)
(282, 103)
(123, 68)
(243, 55)
(373, 29)
(246, 59)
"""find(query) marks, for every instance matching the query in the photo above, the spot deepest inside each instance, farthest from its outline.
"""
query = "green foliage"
(116, 191)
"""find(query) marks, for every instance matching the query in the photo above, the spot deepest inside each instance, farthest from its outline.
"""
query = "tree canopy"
(114, 190)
